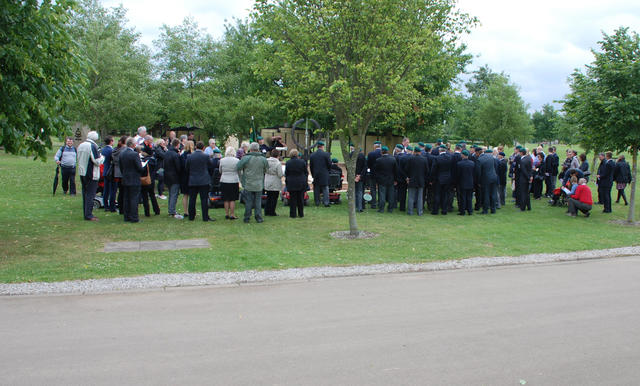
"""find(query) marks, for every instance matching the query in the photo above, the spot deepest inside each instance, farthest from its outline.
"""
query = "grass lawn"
(44, 238)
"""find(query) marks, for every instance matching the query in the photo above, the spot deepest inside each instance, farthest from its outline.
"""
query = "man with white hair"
(212, 146)
(89, 160)
(142, 132)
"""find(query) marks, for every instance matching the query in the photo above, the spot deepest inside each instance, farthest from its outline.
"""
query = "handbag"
(146, 180)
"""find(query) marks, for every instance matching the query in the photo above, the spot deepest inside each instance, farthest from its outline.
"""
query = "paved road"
(557, 324)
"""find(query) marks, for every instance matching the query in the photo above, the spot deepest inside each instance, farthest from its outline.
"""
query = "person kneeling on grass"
(581, 199)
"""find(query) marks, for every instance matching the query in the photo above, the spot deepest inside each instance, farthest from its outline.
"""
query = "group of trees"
(357, 67)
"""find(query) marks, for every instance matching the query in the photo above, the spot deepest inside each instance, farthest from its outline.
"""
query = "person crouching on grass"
(581, 200)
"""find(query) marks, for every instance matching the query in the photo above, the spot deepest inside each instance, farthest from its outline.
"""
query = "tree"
(501, 115)
(358, 60)
(238, 89)
(41, 71)
(605, 100)
(119, 94)
(185, 62)
(545, 123)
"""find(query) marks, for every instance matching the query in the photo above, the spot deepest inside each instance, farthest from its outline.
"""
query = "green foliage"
(185, 61)
(545, 123)
(605, 100)
(500, 115)
(119, 93)
(358, 60)
(40, 73)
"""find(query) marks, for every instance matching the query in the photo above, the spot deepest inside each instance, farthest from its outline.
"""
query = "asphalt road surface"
(555, 324)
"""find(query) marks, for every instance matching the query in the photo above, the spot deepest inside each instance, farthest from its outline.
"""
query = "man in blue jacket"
(199, 169)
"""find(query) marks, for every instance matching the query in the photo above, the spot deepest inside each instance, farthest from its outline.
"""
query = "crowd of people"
(408, 178)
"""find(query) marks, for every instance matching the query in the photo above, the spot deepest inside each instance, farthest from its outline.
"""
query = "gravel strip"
(227, 278)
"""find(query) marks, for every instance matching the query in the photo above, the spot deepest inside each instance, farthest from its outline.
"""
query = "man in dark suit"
(132, 169)
(502, 178)
(371, 162)
(516, 174)
(605, 180)
(401, 178)
(320, 164)
(172, 170)
(478, 151)
(429, 193)
(416, 169)
(386, 170)
(551, 163)
(464, 176)
(488, 179)
(441, 175)
(524, 180)
(456, 157)
(199, 169)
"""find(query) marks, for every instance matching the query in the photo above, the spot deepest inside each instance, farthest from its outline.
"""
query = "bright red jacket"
(583, 194)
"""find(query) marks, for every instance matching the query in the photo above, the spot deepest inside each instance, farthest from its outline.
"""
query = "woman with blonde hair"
(189, 148)
(229, 182)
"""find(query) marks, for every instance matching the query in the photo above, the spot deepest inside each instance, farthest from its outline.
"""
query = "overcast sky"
(537, 43)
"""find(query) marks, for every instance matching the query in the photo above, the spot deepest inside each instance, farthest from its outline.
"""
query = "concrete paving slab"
(122, 246)
(165, 245)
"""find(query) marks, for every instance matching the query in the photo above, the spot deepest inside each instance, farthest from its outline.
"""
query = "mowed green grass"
(44, 237)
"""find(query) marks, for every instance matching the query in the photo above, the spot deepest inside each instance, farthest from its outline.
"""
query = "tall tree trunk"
(632, 197)
(350, 163)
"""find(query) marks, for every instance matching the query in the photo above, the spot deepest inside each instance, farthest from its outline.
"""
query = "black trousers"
(479, 199)
(489, 197)
(272, 202)
(401, 196)
(523, 193)
(605, 197)
(623, 195)
(203, 191)
(441, 198)
(465, 203)
(68, 179)
(89, 188)
(149, 194)
(296, 203)
(131, 196)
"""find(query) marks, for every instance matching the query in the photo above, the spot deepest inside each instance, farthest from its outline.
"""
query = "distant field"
(44, 238)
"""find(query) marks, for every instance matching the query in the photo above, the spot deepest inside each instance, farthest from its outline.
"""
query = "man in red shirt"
(581, 199)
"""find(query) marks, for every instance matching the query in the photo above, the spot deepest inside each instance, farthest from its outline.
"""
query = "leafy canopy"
(41, 71)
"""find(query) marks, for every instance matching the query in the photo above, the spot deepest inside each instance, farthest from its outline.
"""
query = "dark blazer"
(526, 168)
(371, 160)
(465, 170)
(199, 168)
(487, 170)
(605, 171)
(106, 153)
(401, 160)
(386, 169)
(502, 171)
(361, 165)
(296, 175)
(320, 163)
(622, 172)
(416, 168)
(441, 170)
(131, 167)
(172, 167)
(551, 164)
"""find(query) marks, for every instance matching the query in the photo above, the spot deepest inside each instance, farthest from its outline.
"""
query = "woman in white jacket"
(273, 183)
(229, 180)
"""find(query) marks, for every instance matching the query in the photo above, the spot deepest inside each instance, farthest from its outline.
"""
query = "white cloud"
(538, 44)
